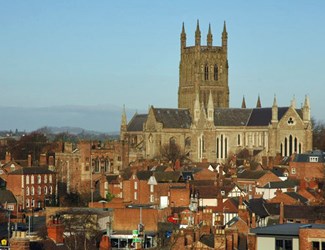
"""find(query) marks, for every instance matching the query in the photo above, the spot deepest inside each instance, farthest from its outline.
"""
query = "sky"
(106, 54)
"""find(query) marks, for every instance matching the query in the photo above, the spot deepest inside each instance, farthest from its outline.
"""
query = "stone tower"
(203, 70)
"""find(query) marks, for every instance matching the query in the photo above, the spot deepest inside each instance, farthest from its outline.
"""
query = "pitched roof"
(32, 170)
(173, 118)
(251, 174)
(297, 211)
(247, 117)
(306, 156)
(257, 206)
(291, 229)
(137, 121)
(7, 196)
(207, 192)
(167, 176)
(282, 184)
(144, 175)
(207, 240)
(297, 197)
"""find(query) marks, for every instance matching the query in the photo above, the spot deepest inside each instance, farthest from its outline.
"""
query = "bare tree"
(172, 152)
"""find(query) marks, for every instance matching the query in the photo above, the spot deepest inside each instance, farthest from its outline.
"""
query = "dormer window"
(313, 158)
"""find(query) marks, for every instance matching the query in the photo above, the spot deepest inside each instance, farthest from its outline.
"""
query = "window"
(293, 170)
(50, 178)
(206, 72)
(215, 74)
(135, 195)
(238, 140)
(33, 202)
(50, 189)
(27, 179)
(152, 188)
(45, 190)
(318, 245)
(27, 202)
(39, 190)
(11, 207)
(45, 178)
(32, 179)
(39, 179)
(313, 159)
(283, 244)
(27, 190)
(291, 121)
(135, 185)
(32, 191)
(152, 198)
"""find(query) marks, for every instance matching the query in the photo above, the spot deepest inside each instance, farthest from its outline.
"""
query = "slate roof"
(207, 192)
(290, 229)
(311, 213)
(167, 176)
(112, 178)
(144, 175)
(207, 240)
(251, 174)
(137, 121)
(247, 117)
(282, 184)
(257, 206)
(7, 196)
(305, 157)
(173, 118)
(32, 170)
(297, 197)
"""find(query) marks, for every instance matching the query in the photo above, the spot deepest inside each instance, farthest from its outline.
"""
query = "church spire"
(209, 36)
(224, 36)
(183, 37)
(210, 108)
(258, 104)
(274, 110)
(123, 121)
(293, 102)
(306, 110)
(197, 34)
(243, 104)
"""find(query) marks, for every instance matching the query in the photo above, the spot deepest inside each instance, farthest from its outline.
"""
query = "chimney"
(278, 192)
(55, 230)
(29, 160)
(42, 160)
(19, 241)
(253, 221)
(8, 157)
(281, 217)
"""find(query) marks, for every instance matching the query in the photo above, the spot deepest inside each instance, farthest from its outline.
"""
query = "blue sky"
(110, 53)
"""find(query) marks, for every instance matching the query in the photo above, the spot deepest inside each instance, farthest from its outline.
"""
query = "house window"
(32, 191)
(32, 179)
(27, 190)
(135, 185)
(45, 190)
(318, 245)
(33, 202)
(293, 170)
(50, 178)
(50, 189)
(27, 179)
(27, 202)
(151, 188)
(313, 159)
(39, 179)
(238, 140)
(283, 244)
(45, 178)
(135, 195)
(11, 207)
(39, 190)
(152, 198)
(215, 72)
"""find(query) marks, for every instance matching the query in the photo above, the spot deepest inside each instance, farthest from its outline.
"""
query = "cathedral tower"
(203, 70)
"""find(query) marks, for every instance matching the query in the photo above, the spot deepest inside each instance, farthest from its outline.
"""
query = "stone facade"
(204, 126)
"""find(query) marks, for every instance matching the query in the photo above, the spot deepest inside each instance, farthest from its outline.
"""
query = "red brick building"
(33, 187)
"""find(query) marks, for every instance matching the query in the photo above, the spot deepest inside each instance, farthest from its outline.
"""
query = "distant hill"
(75, 119)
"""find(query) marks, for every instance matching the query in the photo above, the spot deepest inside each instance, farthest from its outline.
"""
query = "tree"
(172, 152)
(319, 135)
(81, 229)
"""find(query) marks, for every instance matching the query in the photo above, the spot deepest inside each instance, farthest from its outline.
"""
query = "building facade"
(204, 126)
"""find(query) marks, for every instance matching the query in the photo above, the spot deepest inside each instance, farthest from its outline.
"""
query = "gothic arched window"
(206, 72)
(215, 73)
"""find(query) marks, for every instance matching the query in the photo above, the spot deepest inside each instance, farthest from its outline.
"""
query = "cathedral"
(204, 126)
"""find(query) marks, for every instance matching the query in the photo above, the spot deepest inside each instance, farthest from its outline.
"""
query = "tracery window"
(206, 72)
(215, 73)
